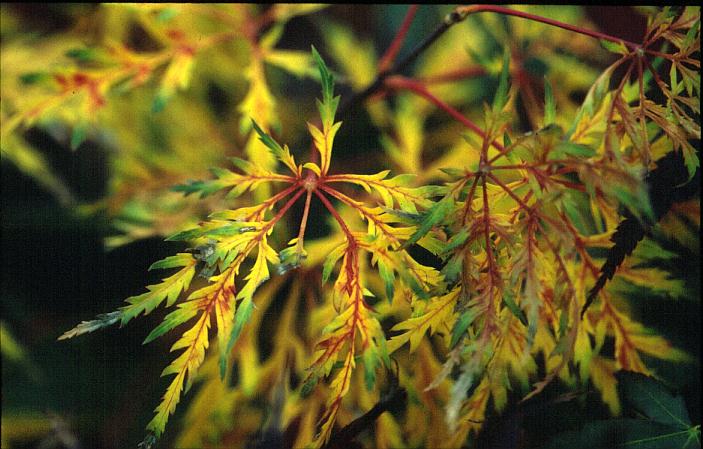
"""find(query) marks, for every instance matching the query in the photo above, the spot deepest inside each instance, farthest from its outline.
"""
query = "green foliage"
(662, 421)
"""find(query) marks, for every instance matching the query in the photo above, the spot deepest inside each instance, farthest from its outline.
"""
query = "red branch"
(335, 214)
(387, 59)
(369, 217)
(274, 199)
(454, 75)
(473, 9)
(304, 220)
(400, 82)
(509, 191)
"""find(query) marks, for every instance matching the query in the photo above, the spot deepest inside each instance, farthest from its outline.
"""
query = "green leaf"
(667, 425)
(308, 386)
(636, 201)
(432, 244)
(563, 149)
(455, 241)
(179, 260)
(326, 77)
(506, 137)
(79, 133)
(330, 262)
(169, 289)
(183, 236)
(412, 282)
(34, 77)
(173, 319)
(432, 217)
(479, 58)
(100, 321)
(653, 399)
(167, 14)
(291, 258)
(690, 158)
(501, 96)
(267, 140)
(452, 268)
(371, 362)
(205, 188)
(148, 442)
(550, 109)
(595, 96)
(453, 172)
(241, 317)
(461, 325)
(614, 47)
(81, 54)
(160, 101)
(517, 311)
(691, 35)
(625, 434)
(388, 277)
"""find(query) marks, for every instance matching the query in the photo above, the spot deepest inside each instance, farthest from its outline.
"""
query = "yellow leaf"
(603, 378)
(284, 11)
(323, 141)
(169, 288)
(195, 340)
(259, 272)
(314, 167)
(438, 313)
(298, 63)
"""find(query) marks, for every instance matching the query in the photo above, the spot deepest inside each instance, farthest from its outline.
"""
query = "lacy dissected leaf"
(380, 220)
(353, 329)
(177, 76)
(252, 176)
(418, 278)
(258, 274)
(101, 321)
(282, 154)
(662, 184)
(392, 191)
(437, 315)
(218, 299)
(195, 341)
(632, 338)
(324, 138)
(169, 289)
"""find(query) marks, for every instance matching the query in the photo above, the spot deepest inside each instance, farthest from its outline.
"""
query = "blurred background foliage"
(86, 200)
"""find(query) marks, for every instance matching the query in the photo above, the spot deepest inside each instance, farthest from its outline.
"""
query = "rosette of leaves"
(226, 242)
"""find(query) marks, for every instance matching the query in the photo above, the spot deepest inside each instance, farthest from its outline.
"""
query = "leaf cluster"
(524, 229)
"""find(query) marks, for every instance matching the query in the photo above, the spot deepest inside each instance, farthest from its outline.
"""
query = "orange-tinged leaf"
(195, 340)
(217, 296)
